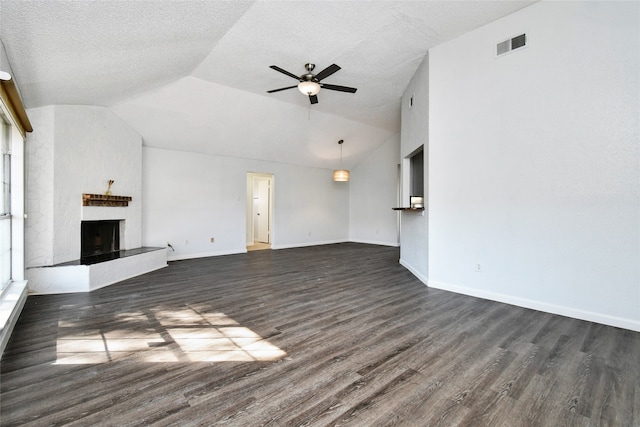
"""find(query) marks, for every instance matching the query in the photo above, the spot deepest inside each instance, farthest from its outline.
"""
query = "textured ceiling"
(159, 62)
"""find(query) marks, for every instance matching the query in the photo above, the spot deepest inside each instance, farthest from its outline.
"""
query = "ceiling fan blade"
(313, 99)
(327, 72)
(275, 67)
(339, 88)
(282, 88)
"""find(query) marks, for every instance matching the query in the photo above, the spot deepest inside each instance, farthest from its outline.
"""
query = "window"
(5, 206)
(14, 124)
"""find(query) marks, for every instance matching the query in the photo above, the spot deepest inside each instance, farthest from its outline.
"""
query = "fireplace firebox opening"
(99, 237)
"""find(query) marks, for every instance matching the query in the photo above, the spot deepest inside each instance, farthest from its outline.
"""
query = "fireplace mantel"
(105, 200)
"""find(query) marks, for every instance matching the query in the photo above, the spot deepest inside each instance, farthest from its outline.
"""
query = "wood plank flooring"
(330, 335)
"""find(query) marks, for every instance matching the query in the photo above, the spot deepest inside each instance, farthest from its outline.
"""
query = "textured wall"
(39, 204)
(75, 150)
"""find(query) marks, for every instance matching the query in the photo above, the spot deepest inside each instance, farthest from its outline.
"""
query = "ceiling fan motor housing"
(309, 77)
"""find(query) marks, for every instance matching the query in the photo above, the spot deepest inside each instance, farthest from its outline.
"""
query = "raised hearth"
(85, 276)
(96, 259)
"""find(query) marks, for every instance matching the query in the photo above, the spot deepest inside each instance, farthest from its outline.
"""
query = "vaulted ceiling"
(193, 75)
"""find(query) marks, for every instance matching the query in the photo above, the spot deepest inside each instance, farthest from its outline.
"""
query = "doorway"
(259, 211)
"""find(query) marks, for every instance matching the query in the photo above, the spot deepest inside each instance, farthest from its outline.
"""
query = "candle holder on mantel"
(108, 192)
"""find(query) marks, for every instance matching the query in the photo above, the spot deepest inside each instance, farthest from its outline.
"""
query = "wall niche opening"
(413, 181)
(416, 171)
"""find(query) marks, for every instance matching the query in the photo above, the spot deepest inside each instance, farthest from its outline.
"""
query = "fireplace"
(98, 238)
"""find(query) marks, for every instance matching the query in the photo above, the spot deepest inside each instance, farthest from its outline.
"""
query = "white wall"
(75, 150)
(188, 197)
(40, 194)
(192, 197)
(414, 248)
(533, 166)
(373, 191)
(199, 116)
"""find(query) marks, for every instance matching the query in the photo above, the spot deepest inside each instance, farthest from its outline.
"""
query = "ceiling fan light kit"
(309, 88)
(310, 83)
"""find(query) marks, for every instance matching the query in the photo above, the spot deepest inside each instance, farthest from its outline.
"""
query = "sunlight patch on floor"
(185, 334)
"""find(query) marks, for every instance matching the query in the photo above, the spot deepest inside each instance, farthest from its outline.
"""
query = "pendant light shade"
(341, 175)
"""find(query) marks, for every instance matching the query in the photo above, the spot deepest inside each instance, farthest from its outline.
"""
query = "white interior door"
(261, 210)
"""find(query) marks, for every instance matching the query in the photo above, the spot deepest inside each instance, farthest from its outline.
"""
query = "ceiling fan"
(310, 83)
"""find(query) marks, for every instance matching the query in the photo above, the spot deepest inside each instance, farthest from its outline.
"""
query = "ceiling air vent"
(511, 44)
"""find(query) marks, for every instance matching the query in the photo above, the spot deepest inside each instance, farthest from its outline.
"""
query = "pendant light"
(341, 175)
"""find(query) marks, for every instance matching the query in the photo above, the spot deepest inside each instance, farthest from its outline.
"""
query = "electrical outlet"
(478, 267)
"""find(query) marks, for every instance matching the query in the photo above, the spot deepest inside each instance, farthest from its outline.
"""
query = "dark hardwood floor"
(328, 335)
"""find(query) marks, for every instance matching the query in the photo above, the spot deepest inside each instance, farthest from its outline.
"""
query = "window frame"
(14, 128)
(5, 206)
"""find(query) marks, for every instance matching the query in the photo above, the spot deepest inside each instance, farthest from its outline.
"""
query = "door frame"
(250, 211)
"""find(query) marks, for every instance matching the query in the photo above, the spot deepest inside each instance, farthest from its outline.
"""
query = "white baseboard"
(180, 257)
(424, 279)
(305, 244)
(375, 242)
(590, 316)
